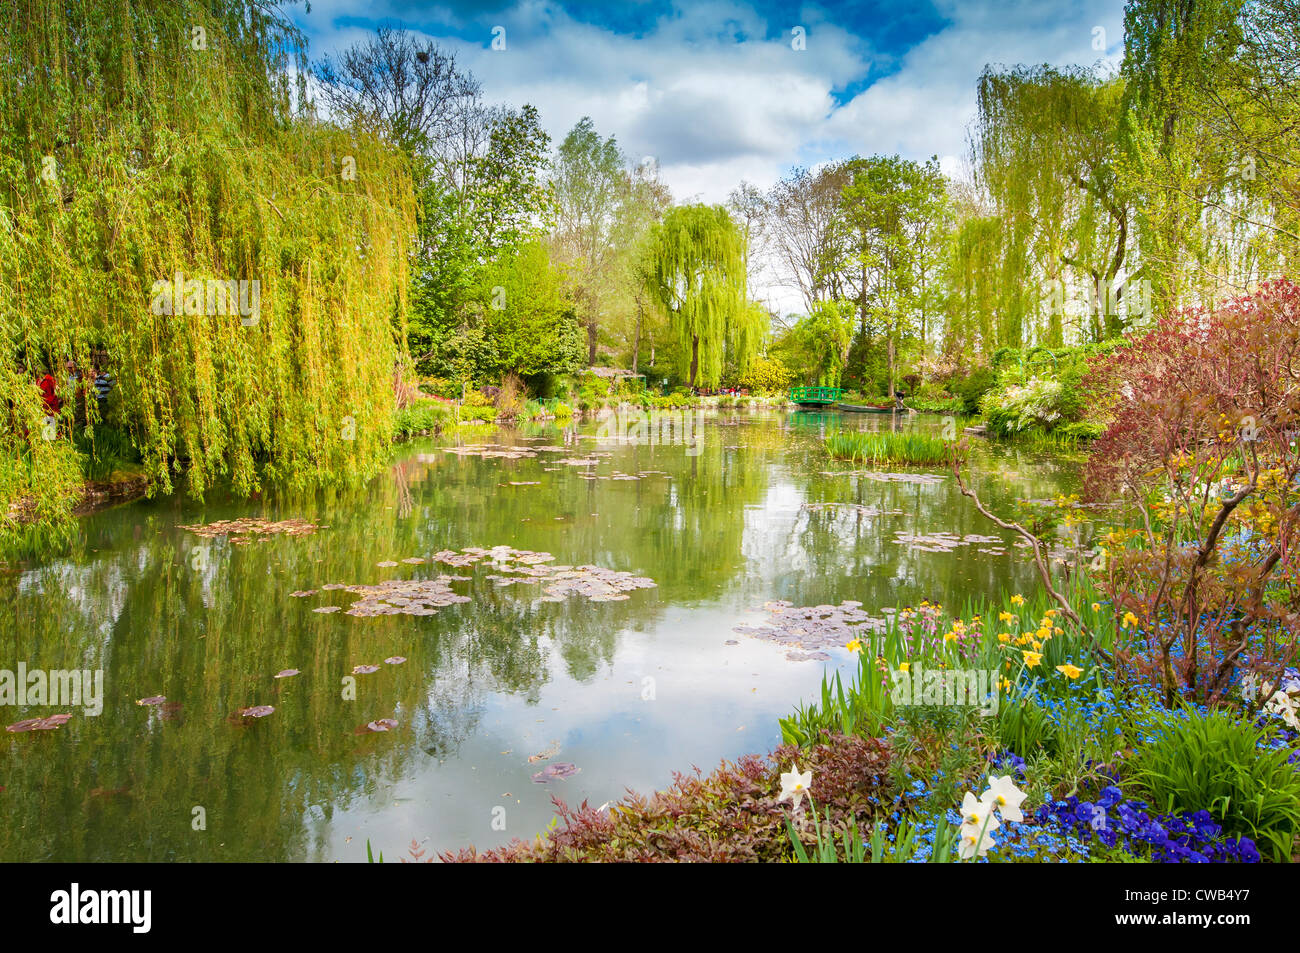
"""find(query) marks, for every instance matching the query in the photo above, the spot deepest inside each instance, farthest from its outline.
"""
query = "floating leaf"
(379, 724)
(39, 724)
(327, 609)
(257, 711)
(365, 669)
(151, 700)
(287, 673)
(394, 660)
(552, 772)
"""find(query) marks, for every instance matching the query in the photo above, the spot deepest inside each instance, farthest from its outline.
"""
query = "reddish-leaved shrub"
(731, 815)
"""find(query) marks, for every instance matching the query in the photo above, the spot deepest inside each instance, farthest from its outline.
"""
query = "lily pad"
(365, 669)
(557, 771)
(380, 724)
(151, 700)
(39, 724)
(287, 673)
(394, 660)
(257, 711)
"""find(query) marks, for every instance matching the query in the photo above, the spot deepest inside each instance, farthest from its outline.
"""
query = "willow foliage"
(697, 276)
(145, 139)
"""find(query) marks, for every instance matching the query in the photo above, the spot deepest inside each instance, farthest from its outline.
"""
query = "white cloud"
(713, 110)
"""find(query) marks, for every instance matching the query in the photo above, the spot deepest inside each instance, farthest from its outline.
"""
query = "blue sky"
(715, 91)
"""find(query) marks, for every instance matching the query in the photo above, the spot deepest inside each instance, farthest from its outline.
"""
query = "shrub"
(424, 416)
(766, 375)
(1202, 442)
(972, 388)
(510, 397)
(1015, 408)
(731, 815)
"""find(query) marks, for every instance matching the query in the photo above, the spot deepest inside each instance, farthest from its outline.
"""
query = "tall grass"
(1217, 762)
(887, 446)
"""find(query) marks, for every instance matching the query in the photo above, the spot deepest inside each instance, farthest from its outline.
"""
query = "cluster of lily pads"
(948, 542)
(249, 529)
(812, 629)
(419, 597)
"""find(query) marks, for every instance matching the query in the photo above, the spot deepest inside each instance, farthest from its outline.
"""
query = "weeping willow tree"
(697, 277)
(157, 160)
(1212, 103)
(1044, 146)
(973, 277)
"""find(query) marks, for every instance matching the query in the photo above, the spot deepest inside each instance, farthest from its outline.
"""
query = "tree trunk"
(893, 388)
(591, 343)
(636, 339)
(695, 357)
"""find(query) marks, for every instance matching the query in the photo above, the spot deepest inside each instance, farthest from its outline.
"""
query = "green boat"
(869, 409)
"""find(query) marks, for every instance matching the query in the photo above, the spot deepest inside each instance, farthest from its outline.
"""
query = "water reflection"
(630, 691)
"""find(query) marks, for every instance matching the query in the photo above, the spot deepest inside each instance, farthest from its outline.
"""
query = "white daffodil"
(977, 824)
(795, 785)
(1006, 797)
(974, 810)
(1279, 703)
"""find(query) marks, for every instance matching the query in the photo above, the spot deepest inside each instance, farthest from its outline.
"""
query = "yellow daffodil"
(1004, 636)
(1070, 671)
(1096, 607)
(854, 645)
(1129, 619)
(1031, 658)
(1005, 617)
(904, 666)
(1017, 600)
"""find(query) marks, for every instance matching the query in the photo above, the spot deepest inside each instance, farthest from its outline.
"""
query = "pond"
(449, 711)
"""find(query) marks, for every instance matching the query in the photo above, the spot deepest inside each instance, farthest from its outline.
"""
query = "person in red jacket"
(52, 402)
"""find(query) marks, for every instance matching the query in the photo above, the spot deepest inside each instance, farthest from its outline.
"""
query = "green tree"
(894, 210)
(697, 277)
(589, 183)
(1044, 149)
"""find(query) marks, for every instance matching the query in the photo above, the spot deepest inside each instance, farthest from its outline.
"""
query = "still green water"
(626, 691)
